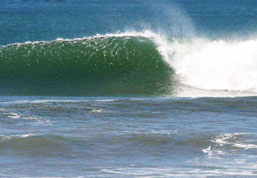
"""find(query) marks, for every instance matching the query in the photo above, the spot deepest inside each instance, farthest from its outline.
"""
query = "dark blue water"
(128, 88)
(35, 20)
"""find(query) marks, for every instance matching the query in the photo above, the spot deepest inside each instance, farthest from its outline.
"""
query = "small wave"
(29, 118)
(34, 145)
(3, 138)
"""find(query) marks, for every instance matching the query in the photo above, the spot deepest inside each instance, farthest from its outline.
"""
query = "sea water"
(135, 88)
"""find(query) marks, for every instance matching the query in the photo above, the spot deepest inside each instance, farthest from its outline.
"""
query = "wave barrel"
(83, 67)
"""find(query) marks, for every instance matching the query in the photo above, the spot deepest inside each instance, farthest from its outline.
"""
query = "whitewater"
(225, 65)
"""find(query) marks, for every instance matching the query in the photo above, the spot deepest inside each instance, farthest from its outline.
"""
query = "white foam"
(216, 65)
(212, 152)
(14, 116)
(19, 116)
(223, 139)
(38, 120)
(97, 111)
(16, 136)
(245, 146)
(26, 135)
(232, 140)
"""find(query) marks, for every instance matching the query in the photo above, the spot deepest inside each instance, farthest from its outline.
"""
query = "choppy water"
(128, 137)
(128, 88)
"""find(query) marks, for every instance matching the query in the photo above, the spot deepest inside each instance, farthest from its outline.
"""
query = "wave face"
(100, 65)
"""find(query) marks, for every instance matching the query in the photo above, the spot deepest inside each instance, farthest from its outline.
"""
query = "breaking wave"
(130, 63)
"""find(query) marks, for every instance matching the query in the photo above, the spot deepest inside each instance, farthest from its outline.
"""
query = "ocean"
(116, 88)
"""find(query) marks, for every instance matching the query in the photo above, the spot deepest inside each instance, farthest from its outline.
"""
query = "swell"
(212, 145)
(35, 145)
(103, 65)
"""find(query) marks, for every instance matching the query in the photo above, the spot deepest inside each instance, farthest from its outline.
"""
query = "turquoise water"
(128, 88)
